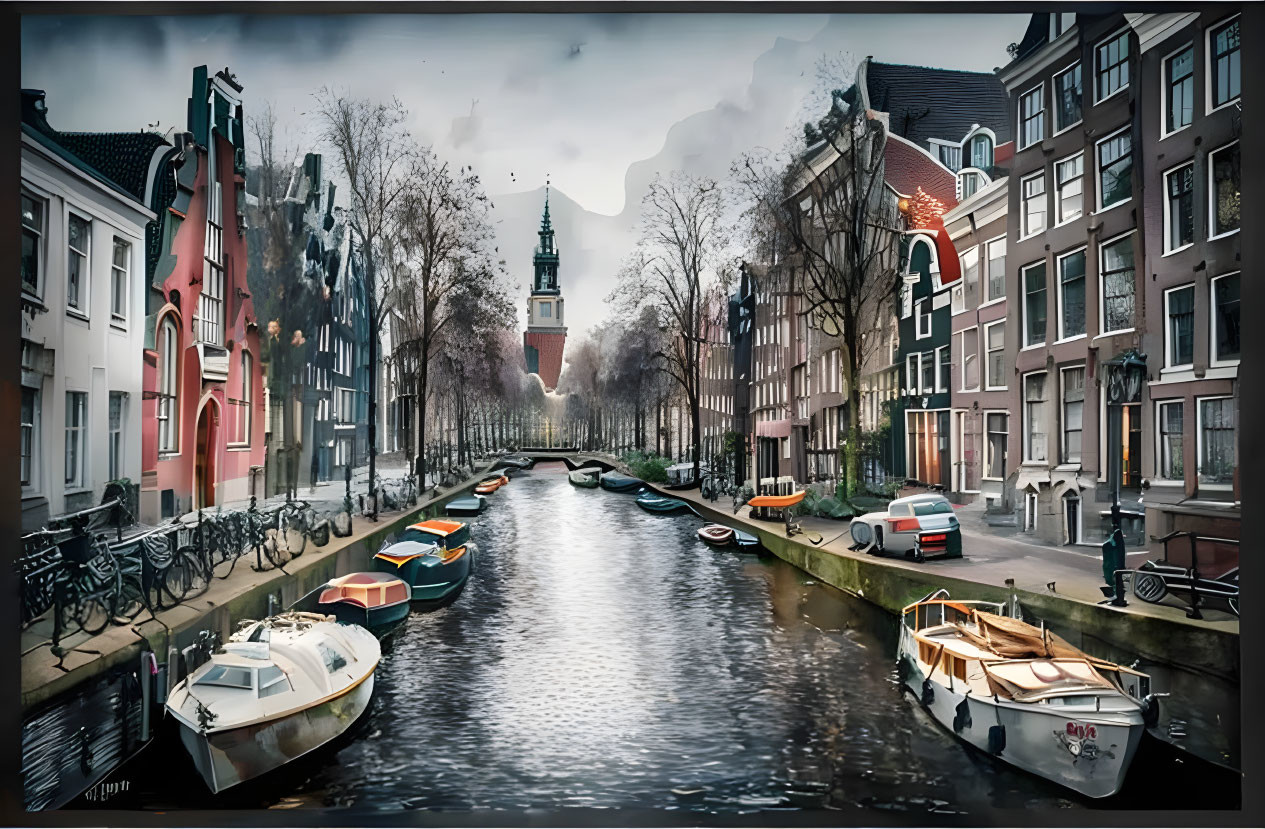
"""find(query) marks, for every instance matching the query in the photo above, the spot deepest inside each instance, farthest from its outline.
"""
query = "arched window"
(168, 385)
(980, 151)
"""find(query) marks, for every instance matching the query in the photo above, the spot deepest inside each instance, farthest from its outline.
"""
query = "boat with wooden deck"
(435, 557)
(377, 602)
(653, 502)
(717, 535)
(614, 482)
(279, 689)
(585, 478)
(1023, 694)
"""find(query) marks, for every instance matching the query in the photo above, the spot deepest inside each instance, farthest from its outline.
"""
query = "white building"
(83, 315)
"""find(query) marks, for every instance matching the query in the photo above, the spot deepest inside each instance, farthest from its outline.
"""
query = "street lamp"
(1125, 374)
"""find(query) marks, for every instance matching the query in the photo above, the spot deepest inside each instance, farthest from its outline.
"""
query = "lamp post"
(1125, 374)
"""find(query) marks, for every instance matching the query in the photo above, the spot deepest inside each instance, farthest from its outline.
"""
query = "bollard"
(1194, 613)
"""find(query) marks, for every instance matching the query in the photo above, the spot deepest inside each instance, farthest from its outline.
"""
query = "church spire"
(546, 227)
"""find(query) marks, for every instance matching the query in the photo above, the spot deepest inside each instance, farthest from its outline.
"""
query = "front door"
(204, 461)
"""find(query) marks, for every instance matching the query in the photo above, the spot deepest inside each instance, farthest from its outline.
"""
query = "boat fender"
(996, 739)
(1151, 709)
(928, 693)
(962, 717)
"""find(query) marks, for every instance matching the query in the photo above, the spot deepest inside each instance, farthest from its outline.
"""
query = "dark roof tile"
(938, 103)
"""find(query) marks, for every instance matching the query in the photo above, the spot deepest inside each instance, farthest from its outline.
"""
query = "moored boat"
(435, 557)
(489, 485)
(466, 505)
(746, 541)
(777, 501)
(586, 478)
(279, 689)
(716, 534)
(615, 482)
(653, 502)
(377, 602)
(1025, 695)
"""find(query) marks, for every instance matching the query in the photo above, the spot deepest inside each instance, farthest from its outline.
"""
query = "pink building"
(203, 440)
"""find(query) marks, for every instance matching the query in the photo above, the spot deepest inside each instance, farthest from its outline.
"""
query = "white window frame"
(1102, 287)
(913, 373)
(1207, 61)
(1058, 189)
(988, 256)
(212, 320)
(1027, 425)
(41, 268)
(1199, 441)
(943, 369)
(85, 288)
(973, 333)
(977, 132)
(116, 437)
(32, 486)
(1212, 192)
(918, 333)
(1165, 89)
(1054, 99)
(1058, 300)
(1169, 365)
(1040, 89)
(1168, 213)
(1098, 189)
(1063, 412)
(984, 181)
(988, 445)
(937, 144)
(1098, 69)
(1213, 360)
(80, 482)
(1159, 437)
(1023, 308)
(988, 374)
(169, 351)
(124, 274)
(1025, 232)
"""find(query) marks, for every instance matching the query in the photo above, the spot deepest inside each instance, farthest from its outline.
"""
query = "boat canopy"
(426, 533)
(366, 593)
(1028, 678)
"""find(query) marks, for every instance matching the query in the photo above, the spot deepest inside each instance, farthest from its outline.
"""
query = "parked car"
(919, 527)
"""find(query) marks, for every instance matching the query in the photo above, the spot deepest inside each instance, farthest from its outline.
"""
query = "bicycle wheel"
(94, 612)
(186, 578)
(274, 548)
(132, 600)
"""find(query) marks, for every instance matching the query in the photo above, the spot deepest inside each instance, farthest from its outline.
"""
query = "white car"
(917, 526)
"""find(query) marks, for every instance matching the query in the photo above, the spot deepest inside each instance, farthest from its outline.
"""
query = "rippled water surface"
(604, 657)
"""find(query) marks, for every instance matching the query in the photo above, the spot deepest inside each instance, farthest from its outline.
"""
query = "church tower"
(546, 334)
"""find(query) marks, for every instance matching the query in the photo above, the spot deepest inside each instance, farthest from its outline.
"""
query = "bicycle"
(86, 588)
(293, 531)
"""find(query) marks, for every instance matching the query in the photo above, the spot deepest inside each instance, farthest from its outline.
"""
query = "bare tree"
(827, 209)
(681, 237)
(375, 153)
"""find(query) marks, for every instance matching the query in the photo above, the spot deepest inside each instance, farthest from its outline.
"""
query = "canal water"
(603, 657)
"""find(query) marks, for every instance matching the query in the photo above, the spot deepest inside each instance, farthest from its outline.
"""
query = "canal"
(603, 657)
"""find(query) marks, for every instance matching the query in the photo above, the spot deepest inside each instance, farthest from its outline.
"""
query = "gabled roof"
(937, 103)
(906, 168)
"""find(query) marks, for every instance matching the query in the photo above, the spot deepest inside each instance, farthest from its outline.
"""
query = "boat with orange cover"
(777, 501)
(490, 485)
(434, 557)
(378, 602)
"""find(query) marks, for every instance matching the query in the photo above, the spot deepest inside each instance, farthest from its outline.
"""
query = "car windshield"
(933, 508)
(421, 537)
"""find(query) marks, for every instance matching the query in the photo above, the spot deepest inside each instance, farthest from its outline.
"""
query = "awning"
(773, 428)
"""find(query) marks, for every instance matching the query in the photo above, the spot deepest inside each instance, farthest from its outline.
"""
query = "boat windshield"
(227, 676)
(272, 680)
(420, 536)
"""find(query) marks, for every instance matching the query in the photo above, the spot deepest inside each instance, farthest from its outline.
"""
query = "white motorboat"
(1025, 695)
(279, 689)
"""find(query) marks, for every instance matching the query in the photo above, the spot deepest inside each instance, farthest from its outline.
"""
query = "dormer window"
(980, 151)
(969, 183)
(1060, 23)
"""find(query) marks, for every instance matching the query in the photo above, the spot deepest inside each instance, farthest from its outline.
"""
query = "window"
(1216, 440)
(228, 676)
(119, 266)
(970, 268)
(1034, 304)
(981, 151)
(995, 348)
(546, 310)
(1113, 65)
(950, 155)
(927, 360)
(1225, 319)
(1223, 57)
(1179, 345)
(241, 406)
(1179, 90)
(32, 243)
(1169, 431)
(272, 681)
(911, 373)
(1069, 188)
(968, 184)
(906, 301)
(77, 264)
(1072, 295)
(995, 462)
(924, 318)
(997, 269)
(1223, 168)
(168, 409)
(1117, 285)
(1034, 416)
(1073, 412)
(1032, 117)
(968, 347)
(211, 301)
(944, 364)
(1115, 169)
(117, 400)
(1179, 208)
(30, 419)
(76, 438)
(1067, 98)
(1034, 204)
(1060, 23)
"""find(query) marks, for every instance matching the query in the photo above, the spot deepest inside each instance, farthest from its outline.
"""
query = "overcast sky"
(596, 102)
